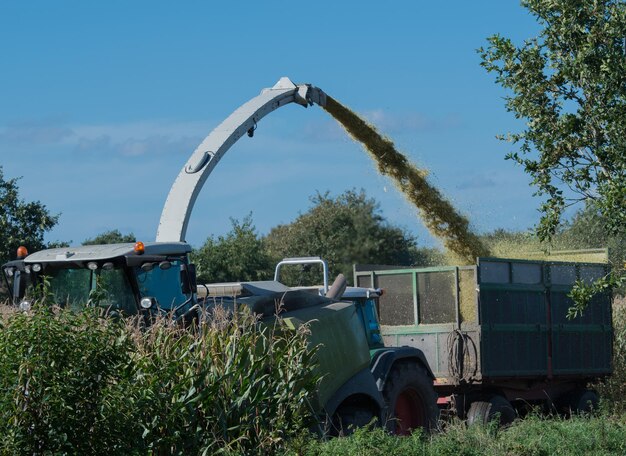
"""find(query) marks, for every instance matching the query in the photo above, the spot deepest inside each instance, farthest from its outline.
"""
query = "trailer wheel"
(583, 402)
(484, 412)
(411, 400)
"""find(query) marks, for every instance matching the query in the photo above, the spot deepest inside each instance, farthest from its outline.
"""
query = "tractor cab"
(123, 278)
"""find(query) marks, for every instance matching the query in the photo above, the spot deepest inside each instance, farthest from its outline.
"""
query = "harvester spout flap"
(307, 95)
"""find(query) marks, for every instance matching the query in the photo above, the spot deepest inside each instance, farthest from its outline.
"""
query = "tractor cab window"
(70, 287)
(77, 287)
(163, 284)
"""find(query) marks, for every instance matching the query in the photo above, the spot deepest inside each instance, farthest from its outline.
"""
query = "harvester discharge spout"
(189, 182)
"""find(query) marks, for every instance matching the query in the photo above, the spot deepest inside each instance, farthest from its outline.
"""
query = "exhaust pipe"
(338, 287)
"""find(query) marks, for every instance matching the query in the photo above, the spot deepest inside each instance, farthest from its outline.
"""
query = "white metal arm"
(189, 182)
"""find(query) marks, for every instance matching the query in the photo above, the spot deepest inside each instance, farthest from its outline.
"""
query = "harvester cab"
(123, 278)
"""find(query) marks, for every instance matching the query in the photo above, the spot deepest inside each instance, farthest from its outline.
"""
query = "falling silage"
(438, 214)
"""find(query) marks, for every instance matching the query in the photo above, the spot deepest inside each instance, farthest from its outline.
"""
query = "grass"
(535, 435)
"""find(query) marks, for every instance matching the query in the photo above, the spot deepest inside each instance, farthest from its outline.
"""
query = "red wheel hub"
(409, 412)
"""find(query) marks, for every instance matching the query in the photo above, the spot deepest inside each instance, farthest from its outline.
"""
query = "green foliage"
(63, 383)
(238, 256)
(582, 293)
(534, 435)
(234, 386)
(110, 237)
(21, 222)
(344, 230)
(613, 390)
(588, 229)
(568, 85)
(79, 383)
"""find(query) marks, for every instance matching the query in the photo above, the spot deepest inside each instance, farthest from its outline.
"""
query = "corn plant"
(82, 383)
(63, 383)
(232, 385)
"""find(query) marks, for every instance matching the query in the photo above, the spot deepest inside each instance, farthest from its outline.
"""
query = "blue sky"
(102, 104)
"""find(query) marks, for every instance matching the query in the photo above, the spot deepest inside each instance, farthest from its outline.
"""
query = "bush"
(84, 384)
(613, 390)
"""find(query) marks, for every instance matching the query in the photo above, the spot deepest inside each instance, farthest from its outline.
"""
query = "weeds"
(535, 435)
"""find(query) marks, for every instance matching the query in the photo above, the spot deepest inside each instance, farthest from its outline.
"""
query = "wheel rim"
(409, 412)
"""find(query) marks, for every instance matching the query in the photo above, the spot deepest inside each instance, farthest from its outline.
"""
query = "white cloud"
(329, 130)
(409, 122)
(40, 132)
(128, 140)
(477, 181)
(134, 147)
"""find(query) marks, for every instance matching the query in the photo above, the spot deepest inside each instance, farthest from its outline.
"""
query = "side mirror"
(188, 279)
(19, 286)
(192, 278)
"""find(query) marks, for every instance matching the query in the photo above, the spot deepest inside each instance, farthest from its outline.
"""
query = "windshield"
(74, 288)
(162, 284)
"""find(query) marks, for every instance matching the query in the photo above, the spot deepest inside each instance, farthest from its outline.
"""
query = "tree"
(110, 237)
(569, 86)
(21, 222)
(587, 230)
(238, 256)
(344, 230)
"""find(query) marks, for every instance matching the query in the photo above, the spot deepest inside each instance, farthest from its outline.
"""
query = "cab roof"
(105, 252)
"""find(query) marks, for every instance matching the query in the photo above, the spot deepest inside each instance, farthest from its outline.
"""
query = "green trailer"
(496, 335)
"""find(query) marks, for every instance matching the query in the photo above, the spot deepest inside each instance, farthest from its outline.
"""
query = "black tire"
(583, 402)
(411, 400)
(496, 407)
(348, 418)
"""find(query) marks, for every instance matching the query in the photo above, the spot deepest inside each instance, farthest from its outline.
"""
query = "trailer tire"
(583, 402)
(484, 412)
(411, 400)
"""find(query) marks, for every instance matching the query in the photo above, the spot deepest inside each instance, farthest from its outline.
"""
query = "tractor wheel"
(484, 412)
(348, 418)
(411, 400)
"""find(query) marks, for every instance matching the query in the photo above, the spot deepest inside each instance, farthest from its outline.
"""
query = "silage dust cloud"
(439, 216)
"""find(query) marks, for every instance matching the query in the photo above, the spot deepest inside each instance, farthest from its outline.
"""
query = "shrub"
(613, 390)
